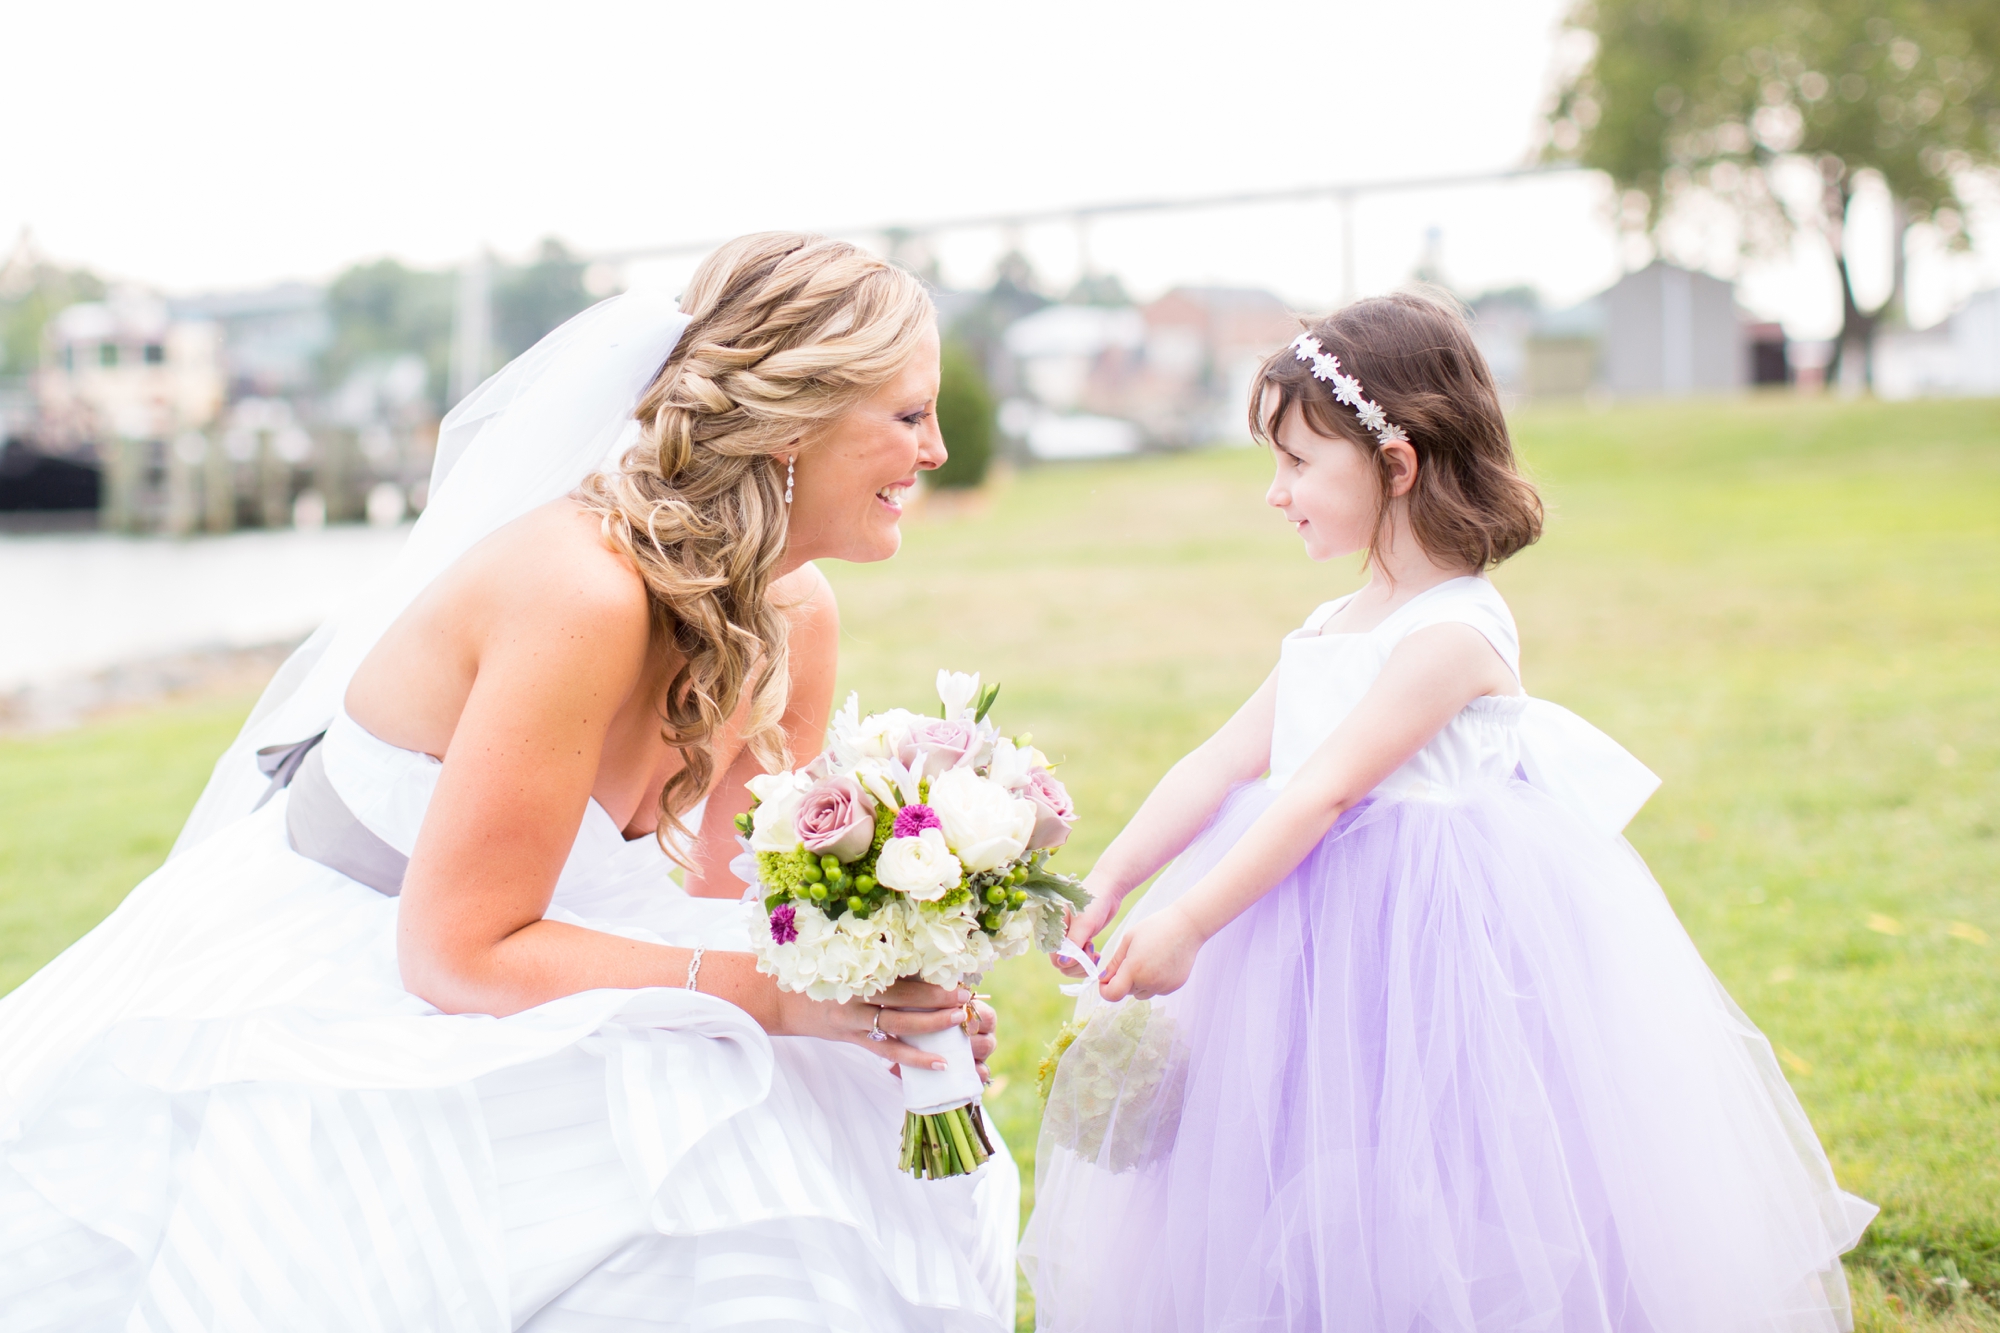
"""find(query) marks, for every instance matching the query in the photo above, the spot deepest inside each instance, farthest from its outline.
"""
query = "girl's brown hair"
(1415, 357)
(788, 332)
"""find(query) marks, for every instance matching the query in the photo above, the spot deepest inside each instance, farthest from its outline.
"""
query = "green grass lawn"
(1790, 610)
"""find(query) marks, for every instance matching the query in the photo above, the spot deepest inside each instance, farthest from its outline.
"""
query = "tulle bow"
(1582, 767)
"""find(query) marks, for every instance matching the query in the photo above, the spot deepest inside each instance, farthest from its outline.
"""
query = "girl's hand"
(1088, 924)
(906, 1009)
(1152, 958)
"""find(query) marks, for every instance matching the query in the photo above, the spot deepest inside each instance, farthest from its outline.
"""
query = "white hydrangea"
(852, 958)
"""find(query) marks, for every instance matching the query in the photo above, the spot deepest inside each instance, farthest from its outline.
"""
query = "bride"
(416, 1033)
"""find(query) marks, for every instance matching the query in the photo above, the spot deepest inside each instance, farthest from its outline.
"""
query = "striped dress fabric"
(220, 1110)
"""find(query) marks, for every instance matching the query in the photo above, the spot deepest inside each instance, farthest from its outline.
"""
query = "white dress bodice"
(609, 880)
(1323, 677)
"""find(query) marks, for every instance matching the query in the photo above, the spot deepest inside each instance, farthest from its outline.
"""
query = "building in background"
(1663, 331)
(1202, 348)
(1671, 331)
(1098, 381)
(1958, 355)
(125, 368)
(272, 338)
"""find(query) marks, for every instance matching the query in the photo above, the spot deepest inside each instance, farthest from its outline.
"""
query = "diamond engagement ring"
(875, 1032)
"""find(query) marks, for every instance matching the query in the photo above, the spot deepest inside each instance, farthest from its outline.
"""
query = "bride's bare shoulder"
(553, 565)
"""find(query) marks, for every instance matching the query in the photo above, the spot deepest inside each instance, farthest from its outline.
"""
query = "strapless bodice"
(606, 877)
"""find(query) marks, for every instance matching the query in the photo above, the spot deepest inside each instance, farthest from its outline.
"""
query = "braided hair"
(789, 331)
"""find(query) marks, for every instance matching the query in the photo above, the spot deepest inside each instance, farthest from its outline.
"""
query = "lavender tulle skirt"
(1461, 1070)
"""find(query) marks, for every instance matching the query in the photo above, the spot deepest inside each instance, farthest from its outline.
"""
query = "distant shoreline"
(205, 673)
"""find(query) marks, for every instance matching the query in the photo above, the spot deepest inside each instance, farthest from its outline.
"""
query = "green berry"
(990, 922)
(864, 883)
(996, 895)
(831, 865)
(818, 892)
(857, 905)
(1018, 896)
(743, 824)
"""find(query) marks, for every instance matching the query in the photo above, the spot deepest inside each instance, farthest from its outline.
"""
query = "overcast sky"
(208, 145)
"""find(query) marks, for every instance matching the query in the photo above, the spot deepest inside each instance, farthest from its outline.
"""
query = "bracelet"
(694, 966)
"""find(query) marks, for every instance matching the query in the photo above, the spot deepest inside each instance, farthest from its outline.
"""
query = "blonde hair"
(789, 331)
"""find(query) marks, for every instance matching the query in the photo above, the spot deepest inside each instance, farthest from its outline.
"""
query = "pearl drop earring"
(790, 463)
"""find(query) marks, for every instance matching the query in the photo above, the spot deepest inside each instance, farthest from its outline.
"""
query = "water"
(76, 603)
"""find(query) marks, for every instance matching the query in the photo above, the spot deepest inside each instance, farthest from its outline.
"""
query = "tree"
(1689, 97)
(384, 309)
(965, 416)
(32, 292)
(530, 300)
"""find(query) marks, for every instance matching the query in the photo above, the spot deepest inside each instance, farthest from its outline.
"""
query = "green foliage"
(36, 292)
(1686, 97)
(1686, 93)
(384, 309)
(965, 416)
(786, 873)
(531, 300)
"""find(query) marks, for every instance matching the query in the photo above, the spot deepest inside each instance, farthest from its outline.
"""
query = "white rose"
(923, 866)
(773, 827)
(984, 823)
(958, 692)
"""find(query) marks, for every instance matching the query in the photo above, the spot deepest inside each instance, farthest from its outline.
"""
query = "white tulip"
(922, 867)
(984, 824)
(878, 777)
(958, 692)
(1010, 764)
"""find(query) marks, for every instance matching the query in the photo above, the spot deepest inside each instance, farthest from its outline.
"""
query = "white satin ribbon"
(1582, 767)
(1070, 951)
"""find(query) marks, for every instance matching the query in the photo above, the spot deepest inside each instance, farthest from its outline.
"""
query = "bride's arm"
(554, 663)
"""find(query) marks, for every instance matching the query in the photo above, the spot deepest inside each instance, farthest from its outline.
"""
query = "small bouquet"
(914, 846)
(1112, 1085)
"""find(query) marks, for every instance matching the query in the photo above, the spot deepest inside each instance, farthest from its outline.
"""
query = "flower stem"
(949, 1143)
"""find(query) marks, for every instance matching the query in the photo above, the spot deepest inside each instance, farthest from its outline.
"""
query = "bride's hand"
(906, 1009)
(907, 994)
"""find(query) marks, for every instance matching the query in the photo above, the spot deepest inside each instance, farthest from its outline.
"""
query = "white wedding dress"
(220, 1110)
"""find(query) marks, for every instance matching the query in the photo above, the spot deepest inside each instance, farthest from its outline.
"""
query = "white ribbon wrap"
(1582, 767)
(1083, 960)
(930, 1091)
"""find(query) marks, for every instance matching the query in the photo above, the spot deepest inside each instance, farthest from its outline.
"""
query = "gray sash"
(318, 823)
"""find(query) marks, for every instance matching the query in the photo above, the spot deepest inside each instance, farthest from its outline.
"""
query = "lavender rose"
(836, 818)
(1054, 811)
(945, 742)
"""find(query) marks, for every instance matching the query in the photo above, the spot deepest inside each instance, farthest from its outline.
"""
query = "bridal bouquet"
(914, 846)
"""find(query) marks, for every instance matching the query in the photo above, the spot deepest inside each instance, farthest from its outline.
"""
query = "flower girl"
(1407, 1038)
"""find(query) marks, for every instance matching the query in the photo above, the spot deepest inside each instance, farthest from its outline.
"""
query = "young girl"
(1434, 1053)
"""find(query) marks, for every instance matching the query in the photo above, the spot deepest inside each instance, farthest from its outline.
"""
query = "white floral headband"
(1347, 389)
